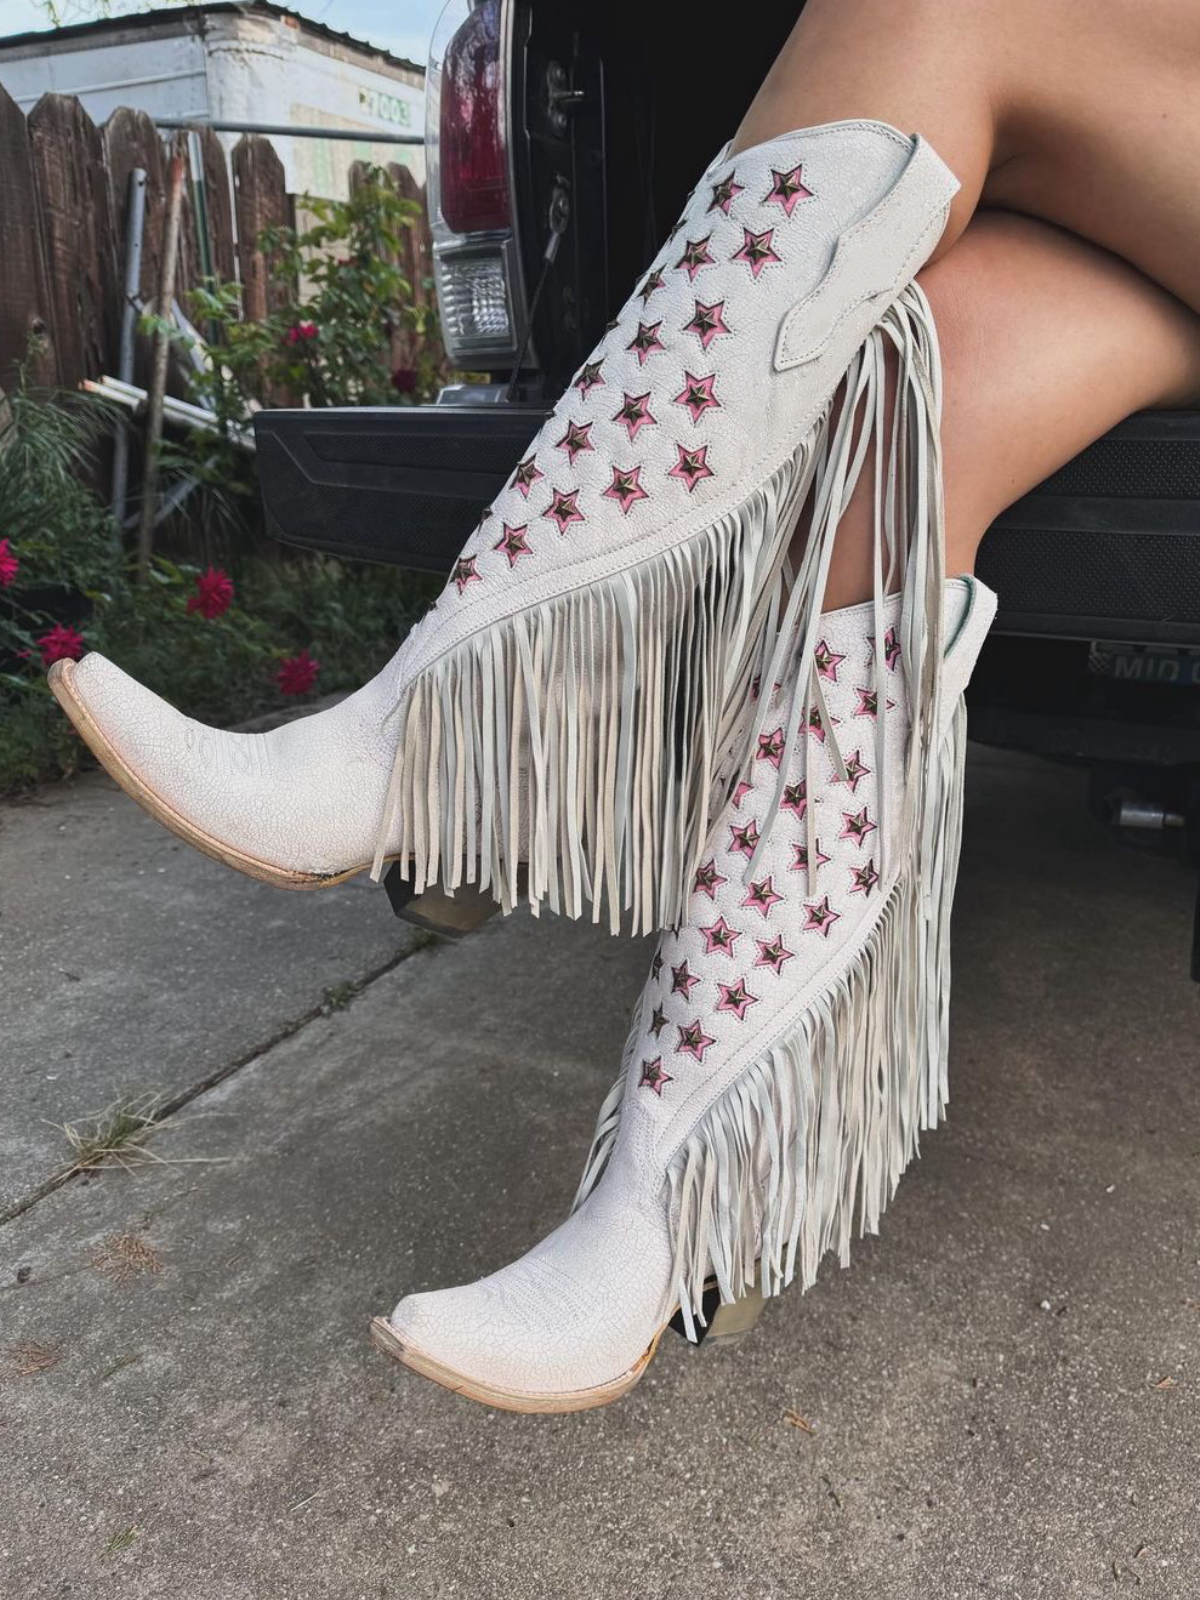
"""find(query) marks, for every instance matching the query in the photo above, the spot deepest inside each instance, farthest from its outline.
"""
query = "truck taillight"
(474, 155)
(476, 261)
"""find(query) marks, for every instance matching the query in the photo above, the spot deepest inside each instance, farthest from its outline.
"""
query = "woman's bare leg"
(1047, 342)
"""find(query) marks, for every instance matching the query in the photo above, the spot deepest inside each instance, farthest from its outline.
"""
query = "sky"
(401, 26)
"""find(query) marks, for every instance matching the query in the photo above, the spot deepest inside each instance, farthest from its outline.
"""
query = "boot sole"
(729, 1322)
(61, 679)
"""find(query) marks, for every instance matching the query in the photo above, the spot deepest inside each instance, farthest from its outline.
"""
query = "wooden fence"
(64, 195)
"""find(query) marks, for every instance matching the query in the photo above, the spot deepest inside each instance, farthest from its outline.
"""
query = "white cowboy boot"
(567, 697)
(787, 1049)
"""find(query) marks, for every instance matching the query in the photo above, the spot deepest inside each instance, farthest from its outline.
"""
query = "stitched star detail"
(563, 509)
(589, 376)
(856, 771)
(770, 748)
(626, 488)
(576, 439)
(514, 543)
(743, 841)
(526, 476)
(762, 896)
(827, 661)
(696, 255)
(788, 189)
(653, 1077)
(682, 981)
(645, 341)
(737, 998)
(652, 281)
(891, 648)
(800, 857)
(757, 251)
(697, 395)
(693, 1041)
(858, 826)
(820, 916)
(656, 965)
(692, 466)
(868, 703)
(864, 879)
(719, 937)
(815, 725)
(635, 413)
(708, 880)
(740, 793)
(795, 799)
(707, 323)
(658, 1021)
(464, 573)
(723, 194)
(773, 953)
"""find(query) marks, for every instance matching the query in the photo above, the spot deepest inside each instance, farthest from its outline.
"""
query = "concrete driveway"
(1001, 1396)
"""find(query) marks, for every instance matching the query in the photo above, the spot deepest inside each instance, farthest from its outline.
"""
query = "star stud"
(815, 725)
(696, 255)
(526, 476)
(857, 825)
(773, 953)
(863, 879)
(563, 509)
(646, 341)
(762, 896)
(576, 439)
(589, 377)
(719, 938)
(682, 981)
(743, 841)
(514, 543)
(658, 1021)
(707, 323)
(757, 251)
(868, 703)
(656, 965)
(708, 879)
(626, 488)
(653, 1077)
(697, 395)
(635, 413)
(819, 916)
(891, 648)
(691, 466)
(856, 771)
(693, 1041)
(827, 661)
(788, 189)
(795, 799)
(723, 194)
(800, 857)
(740, 793)
(464, 573)
(652, 281)
(737, 998)
(770, 748)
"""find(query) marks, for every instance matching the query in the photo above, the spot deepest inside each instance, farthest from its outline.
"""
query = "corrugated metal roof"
(139, 19)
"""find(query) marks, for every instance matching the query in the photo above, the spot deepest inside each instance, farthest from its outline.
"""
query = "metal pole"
(158, 376)
(135, 225)
(364, 136)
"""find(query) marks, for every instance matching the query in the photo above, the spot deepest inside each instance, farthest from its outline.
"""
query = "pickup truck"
(562, 138)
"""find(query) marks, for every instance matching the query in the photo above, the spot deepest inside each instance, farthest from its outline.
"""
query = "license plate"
(1144, 663)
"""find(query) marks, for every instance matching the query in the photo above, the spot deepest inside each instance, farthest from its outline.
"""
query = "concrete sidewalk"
(1002, 1395)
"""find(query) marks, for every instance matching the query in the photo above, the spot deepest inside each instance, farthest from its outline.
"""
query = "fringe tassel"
(593, 737)
(810, 1142)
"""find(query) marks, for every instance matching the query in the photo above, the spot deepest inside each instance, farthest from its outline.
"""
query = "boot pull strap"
(872, 260)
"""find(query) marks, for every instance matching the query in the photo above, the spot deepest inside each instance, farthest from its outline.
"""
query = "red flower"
(298, 673)
(404, 380)
(214, 593)
(62, 643)
(9, 565)
(300, 332)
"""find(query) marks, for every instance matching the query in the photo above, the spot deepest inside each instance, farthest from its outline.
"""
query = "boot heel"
(451, 916)
(723, 1322)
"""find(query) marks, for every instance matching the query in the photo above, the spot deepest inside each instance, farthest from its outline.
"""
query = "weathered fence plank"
(131, 140)
(25, 300)
(261, 201)
(219, 204)
(77, 231)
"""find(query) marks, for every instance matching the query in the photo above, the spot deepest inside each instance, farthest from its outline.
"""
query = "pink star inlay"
(682, 981)
(707, 323)
(743, 841)
(891, 648)
(815, 725)
(658, 1021)
(589, 377)
(868, 703)
(563, 509)
(653, 1077)
(740, 793)
(800, 857)
(827, 661)
(526, 476)
(708, 879)
(693, 1041)
(646, 341)
(696, 255)
(514, 543)
(723, 193)
(719, 937)
(691, 465)
(770, 747)
(772, 953)
(697, 395)
(856, 825)
(737, 998)
(820, 916)
(652, 281)
(757, 251)
(464, 573)
(795, 799)
(856, 771)
(576, 439)
(863, 879)
(762, 896)
(635, 413)
(789, 189)
(626, 488)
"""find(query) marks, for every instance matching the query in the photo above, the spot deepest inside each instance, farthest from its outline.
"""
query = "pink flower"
(298, 673)
(404, 380)
(9, 565)
(62, 643)
(214, 593)
(301, 332)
